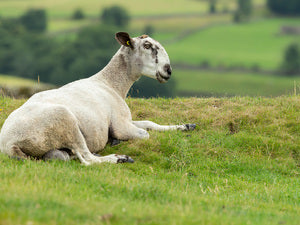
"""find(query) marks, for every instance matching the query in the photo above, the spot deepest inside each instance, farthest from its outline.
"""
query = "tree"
(245, 7)
(116, 16)
(31, 54)
(291, 61)
(212, 6)
(149, 30)
(87, 54)
(34, 20)
(78, 14)
(244, 10)
(284, 7)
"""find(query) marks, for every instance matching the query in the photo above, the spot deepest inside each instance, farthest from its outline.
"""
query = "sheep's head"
(148, 55)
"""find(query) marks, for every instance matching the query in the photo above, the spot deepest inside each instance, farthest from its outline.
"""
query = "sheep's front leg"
(149, 125)
(78, 145)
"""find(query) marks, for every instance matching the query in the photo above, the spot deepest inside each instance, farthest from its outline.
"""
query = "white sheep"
(81, 116)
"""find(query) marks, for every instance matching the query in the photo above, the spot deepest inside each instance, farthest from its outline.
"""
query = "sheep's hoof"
(115, 142)
(190, 126)
(124, 159)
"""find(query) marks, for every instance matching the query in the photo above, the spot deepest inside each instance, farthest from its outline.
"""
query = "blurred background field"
(64, 8)
(217, 47)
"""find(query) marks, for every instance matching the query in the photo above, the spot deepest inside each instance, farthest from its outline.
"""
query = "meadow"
(255, 44)
(206, 83)
(240, 166)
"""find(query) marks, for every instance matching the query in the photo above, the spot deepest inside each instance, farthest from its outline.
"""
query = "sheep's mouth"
(161, 78)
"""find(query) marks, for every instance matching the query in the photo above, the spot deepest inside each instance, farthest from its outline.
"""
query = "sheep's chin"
(161, 78)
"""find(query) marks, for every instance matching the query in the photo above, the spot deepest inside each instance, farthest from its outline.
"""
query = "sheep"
(79, 118)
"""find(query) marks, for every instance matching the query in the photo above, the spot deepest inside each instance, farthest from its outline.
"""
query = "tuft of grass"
(240, 166)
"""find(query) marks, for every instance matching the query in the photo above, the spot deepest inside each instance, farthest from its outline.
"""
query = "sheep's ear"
(124, 39)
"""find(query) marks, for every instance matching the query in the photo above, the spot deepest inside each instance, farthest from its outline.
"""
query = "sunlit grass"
(65, 8)
(13, 81)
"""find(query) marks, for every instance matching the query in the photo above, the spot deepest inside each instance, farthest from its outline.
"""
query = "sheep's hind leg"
(16, 153)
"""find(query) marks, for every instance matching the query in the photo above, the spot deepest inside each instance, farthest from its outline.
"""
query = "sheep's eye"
(147, 45)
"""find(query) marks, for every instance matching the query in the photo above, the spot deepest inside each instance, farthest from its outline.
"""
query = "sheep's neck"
(118, 75)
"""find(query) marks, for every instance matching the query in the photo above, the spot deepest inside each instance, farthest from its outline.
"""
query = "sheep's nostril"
(168, 69)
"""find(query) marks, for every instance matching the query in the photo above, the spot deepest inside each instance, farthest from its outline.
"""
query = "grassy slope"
(207, 83)
(257, 43)
(240, 166)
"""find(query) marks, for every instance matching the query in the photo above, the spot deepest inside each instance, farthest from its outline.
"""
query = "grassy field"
(64, 8)
(208, 83)
(177, 25)
(240, 166)
(253, 44)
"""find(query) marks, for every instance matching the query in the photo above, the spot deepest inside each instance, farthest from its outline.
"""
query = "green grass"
(253, 44)
(240, 166)
(206, 83)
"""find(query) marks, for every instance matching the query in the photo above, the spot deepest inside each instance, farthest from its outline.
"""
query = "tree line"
(26, 51)
(284, 7)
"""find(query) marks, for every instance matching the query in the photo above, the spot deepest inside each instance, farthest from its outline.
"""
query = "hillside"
(240, 166)
(256, 44)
